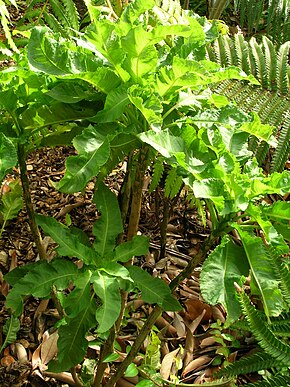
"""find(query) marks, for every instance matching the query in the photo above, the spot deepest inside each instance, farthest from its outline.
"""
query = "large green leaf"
(166, 144)
(79, 297)
(58, 57)
(39, 281)
(72, 343)
(154, 290)
(139, 245)
(93, 152)
(36, 117)
(70, 244)
(263, 281)
(279, 211)
(107, 288)
(109, 225)
(222, 268)
(8, 155)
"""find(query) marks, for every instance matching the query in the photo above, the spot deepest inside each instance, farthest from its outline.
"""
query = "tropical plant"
(136, 88)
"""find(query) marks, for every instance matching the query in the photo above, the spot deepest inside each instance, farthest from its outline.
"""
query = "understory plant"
(135, 88)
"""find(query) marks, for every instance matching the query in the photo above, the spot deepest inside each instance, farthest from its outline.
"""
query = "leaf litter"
(188, 350)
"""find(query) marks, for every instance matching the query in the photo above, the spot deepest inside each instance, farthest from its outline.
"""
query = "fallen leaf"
(167, 362)
(48, 348)
(196, 364)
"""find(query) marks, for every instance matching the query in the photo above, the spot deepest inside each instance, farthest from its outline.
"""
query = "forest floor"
(192, 347)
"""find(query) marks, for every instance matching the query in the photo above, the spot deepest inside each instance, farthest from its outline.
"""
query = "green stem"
(28, 202)
(107, 349)
(137, 188)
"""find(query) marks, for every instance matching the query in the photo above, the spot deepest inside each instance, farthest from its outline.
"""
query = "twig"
(28, 202)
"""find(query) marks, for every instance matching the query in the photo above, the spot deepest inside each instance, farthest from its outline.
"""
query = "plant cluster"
(138, 88)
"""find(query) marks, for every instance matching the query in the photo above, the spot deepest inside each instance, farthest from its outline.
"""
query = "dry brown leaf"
(218, 313)
(7, 360)
(21, 353)
(161, 323)
(196, 364)
(179, 325)
(208, 341)
(194, 309)
(124, 383)
(195, 323)
(36, 361)
(167, 362)
(48, 348)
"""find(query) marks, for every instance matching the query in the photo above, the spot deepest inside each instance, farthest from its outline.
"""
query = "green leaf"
(258, 129)
(10, 329)
(116, 270)
(69, 92)
(72, 344)
(278, 211)
(109, 226)
(8, 155)
(79, 297)
(69, 243)
(166, 144)
(222, 268)
(107, 288)
(263, 281)
(116, 102)
(39, 281)
(138, 246)
(11, 202)
(154, 290)
(36, 117)
(58, 57)
(93, 152)
(131, 371)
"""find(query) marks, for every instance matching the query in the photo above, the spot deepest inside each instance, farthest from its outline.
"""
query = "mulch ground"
(186, 335)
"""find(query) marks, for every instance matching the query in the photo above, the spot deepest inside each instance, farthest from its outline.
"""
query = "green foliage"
(142, 81)
(95, 299)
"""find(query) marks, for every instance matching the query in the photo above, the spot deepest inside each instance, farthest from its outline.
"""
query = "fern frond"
(273, 381)
(270, 62)
(282, 274)
(282, 68)
(263, 333)
(173, 183)
(252, 363)
(242, 53)
(4, 20)
(158, 170)
(282, 150)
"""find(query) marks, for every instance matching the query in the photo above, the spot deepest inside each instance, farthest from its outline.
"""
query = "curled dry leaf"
(168, 361)
(48, 348)
(179, 325)
(21, 353)
(196, 364)
(7, 360)
(195, 307)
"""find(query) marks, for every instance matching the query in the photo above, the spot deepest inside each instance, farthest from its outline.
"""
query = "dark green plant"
(134, 88)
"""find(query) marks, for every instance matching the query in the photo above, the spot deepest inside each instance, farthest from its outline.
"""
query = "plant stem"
(106, 349)
(28, 202)
(137, 188)
(75, 377)
(163, 227)
(156, 312)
